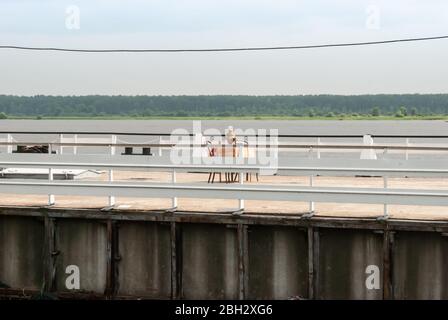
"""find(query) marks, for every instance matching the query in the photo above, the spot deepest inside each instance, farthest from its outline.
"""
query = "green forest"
(308, 106)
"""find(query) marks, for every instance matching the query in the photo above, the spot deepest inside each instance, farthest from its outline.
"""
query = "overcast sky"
(400, 68)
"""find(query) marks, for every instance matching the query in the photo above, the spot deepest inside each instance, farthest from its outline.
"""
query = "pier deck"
(252, 206)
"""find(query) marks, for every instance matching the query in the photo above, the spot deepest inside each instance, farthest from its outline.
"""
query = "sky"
(166, 24)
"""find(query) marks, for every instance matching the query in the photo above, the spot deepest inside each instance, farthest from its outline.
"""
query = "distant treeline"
(204, 106)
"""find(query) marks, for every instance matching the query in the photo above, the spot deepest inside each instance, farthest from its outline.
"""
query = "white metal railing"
(103, 139)
(249, 192)
(318, 166)
(286, 165)
(174, 190)
(307, 146)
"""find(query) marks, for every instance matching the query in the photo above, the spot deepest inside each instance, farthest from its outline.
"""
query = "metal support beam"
(310, 263)
(315, 258)
(176, 261)
(388, 242)
(112, 259)
(50, 255)
(243, 261)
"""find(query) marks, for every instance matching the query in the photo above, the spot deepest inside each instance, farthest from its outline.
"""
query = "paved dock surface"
(252, 206)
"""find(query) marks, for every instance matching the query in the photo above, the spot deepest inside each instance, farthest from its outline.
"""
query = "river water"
(431, 128)
(286, 127)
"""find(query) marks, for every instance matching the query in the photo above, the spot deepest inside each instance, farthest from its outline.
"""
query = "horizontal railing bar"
(118, 133)
(202, 167)
(285, 165)
(267, 193)
(279, 146)
(91, 144)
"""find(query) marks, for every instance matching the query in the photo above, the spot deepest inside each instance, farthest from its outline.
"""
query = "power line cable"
(328, 45)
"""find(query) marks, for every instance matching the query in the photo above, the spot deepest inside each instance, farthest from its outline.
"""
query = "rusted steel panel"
(420, 263)
(179, 255)
(220, 218)
(176, 260)
(278, 263)
(144, 266)
(82, 244)
(50, 254)
(388, 240)
(344, 256)
(21, 251)
(209, 262)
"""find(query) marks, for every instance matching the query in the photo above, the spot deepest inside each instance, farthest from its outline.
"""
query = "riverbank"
(267, 117)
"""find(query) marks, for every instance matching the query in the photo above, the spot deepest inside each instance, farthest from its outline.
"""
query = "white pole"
(368, 153)
(407, 152)
(160, 148)
(111, 172)
(241, 201)
(318, 150)
(61, 138)
(9, 146)
(173, 181)
(385, 183)
(240, 150)
(311, 202)
(75, 140)
(51, 198)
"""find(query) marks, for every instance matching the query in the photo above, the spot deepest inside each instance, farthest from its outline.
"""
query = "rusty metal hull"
(186, 255)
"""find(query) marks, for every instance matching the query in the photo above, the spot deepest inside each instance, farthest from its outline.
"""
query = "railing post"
(385, 211)
(368, 153)
(75, 140)
(311, 202)
(241, 201)
(160, 147)
(61, 138)
(318, 150)
(51, 198)
(9, 146)
(407, 151)
(111, 172)
(173, 181)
